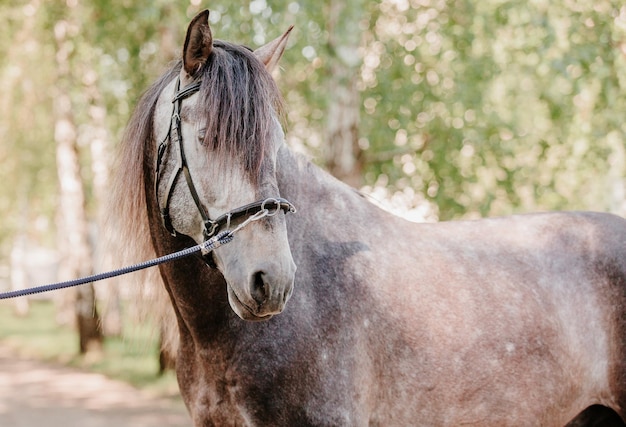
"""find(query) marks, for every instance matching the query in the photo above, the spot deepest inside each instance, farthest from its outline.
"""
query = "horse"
(340, 313)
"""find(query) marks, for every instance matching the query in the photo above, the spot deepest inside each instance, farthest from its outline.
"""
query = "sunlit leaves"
(515, 99)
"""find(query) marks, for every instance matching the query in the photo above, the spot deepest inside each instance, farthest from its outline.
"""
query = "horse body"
(493, 322)
(516, 321)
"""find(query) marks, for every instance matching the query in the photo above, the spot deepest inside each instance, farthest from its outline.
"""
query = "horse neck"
(326, 206)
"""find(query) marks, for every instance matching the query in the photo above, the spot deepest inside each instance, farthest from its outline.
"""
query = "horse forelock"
(239, 103)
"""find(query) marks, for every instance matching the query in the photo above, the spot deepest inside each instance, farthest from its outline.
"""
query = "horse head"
(218, 129)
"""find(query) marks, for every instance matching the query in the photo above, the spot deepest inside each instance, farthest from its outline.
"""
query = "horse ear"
(271, 53)
(198, 44)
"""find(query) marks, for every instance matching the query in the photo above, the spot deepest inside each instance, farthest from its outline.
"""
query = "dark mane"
(238, 101)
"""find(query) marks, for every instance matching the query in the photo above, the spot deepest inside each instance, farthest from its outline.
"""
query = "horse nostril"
(258, 289)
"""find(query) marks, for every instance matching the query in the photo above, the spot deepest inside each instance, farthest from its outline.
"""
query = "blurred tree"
(491, 108)
(26, 150)
(343, 154)
(73, 227)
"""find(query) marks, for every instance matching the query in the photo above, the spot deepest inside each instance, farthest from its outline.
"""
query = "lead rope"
(213, 243)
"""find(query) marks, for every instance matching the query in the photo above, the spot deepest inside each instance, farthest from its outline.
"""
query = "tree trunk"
(75, 250)
(343, 156)
(19, 279)
(167, 358)
(100, 146)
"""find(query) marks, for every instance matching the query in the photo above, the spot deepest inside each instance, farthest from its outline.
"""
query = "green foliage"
(496, 106)
(26, 148)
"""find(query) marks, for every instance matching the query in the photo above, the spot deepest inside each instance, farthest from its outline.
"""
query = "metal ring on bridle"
(273, 200)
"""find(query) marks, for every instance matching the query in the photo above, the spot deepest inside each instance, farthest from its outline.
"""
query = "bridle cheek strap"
(269, 206)
(164, 150)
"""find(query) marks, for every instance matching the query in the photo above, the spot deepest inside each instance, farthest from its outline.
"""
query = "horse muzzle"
(265, 293)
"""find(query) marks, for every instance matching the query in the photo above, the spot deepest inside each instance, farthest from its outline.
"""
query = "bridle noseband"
(265, 207)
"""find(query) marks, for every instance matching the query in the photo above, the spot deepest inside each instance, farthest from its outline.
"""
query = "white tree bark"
(343, 157)
(73, 238)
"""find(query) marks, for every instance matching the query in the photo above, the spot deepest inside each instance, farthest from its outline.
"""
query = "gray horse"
(517, 321)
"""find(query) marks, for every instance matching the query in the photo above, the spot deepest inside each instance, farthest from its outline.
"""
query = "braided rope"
(213, 243)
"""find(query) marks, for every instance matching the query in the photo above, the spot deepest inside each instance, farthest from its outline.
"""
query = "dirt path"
(34, 394)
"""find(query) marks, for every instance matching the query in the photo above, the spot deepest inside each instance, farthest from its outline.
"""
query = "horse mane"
(239, 103)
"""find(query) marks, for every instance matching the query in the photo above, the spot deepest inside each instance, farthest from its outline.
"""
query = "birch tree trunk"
(19, 279)
(343, 156)
(74, 247)
(100, 145)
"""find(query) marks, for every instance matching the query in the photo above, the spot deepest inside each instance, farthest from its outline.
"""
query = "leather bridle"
(270, 206)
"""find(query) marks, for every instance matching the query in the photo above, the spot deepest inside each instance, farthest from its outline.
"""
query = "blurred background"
(438, 109)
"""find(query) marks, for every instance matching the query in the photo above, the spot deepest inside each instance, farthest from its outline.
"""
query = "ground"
(33, 393)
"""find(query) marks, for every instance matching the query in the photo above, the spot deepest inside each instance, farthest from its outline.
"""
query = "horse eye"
(201, 135)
